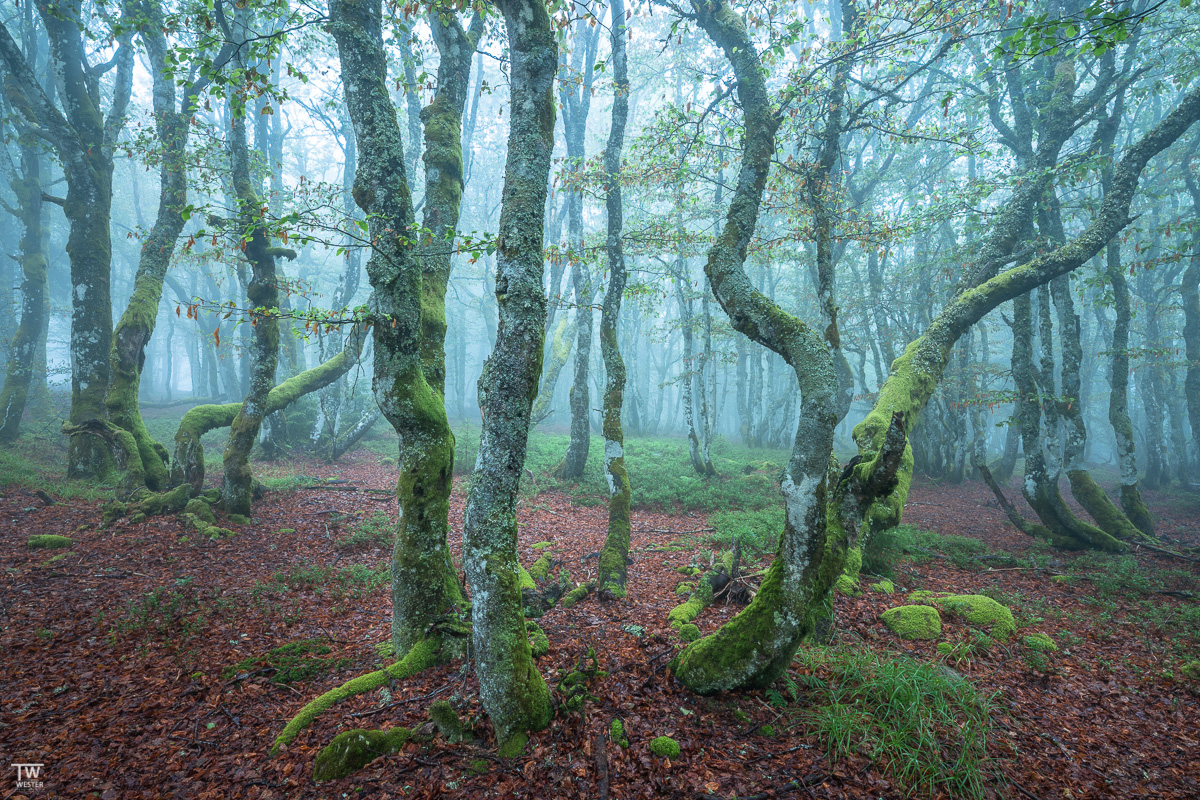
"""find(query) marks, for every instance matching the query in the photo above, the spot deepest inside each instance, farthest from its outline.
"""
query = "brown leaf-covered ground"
(113, 660)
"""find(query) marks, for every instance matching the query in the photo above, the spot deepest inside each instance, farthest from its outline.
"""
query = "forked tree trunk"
(513, 692)
(408, 305)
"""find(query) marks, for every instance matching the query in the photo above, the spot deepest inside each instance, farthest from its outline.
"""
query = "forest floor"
(133, 661)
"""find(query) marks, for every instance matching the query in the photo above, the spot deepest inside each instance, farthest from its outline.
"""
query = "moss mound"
(913, 622)
(447, 721)
(353, 750)
(616, 732)
(885, 586)
(1191, 670)
(689, 632)
(982, 612)
(295, 661)
(665, 747)
(1040, 642)
(49, 541)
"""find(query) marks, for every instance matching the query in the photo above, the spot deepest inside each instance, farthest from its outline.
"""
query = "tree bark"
(612, 578)
(513, 692)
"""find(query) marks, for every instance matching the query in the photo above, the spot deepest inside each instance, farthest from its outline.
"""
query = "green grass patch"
(30, 463)
(49, 541)
(181, 611)
(758, 529)
(927, 729)
(887, 548)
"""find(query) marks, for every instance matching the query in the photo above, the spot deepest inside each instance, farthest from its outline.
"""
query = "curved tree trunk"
(513, 692)
(612, 578)
(560, 351)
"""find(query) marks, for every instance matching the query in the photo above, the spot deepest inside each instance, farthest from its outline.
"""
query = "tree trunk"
(612, 578)
(513, 692)
(262, 294)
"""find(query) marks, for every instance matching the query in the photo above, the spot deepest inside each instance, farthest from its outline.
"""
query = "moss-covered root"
(350, 751)
(751, 650)
(575, 595)
(1135, 509)
(687, 611)
(1095, 502)
(422, 656)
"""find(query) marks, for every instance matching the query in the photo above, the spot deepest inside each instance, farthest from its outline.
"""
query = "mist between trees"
(949, 239)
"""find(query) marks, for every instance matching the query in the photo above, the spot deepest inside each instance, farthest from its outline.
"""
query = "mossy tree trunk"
(262, 292)
(576, 102)
(136, 325)
(687, 381)
(83, 135)
(756, 646)
(513, 692)
(560, 351)
(612, 578)
(22, 358)
(1042, 463)
(916, 373)
(1109, 518)
(408, 302)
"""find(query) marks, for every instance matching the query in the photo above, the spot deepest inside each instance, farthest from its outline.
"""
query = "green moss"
(945, 648)
(665, 747)
(688, 611)
(885, 586)
(49, 541)
(478, 766)
(616, 733)
(684, 588)
(981, 611)
(525, 580)
(352, 750)
(539, 642)
(1191, 670)
(921, 596)
(689, 632)
(847, 586)
(446, 719)
(542, 545)
(1040, 642)
(199, 507)
(541, 568)
(239, 519)
(284, 531)
(913, 622)
(574, 596)
(424, 654)
(853, 565)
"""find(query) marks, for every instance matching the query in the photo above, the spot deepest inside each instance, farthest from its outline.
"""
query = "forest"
(600, 399)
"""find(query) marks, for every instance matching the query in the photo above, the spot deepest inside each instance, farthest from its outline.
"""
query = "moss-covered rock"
(1191, 670)
(49, 541)
(847, 586)
(885, 586)
(913, 622)
(616, 732)
(1040, 642)
(689, 632)
(542, 545)
(982, 612)
(352, 750)
(200, 508)
(239, 519)
(685, 588)
(665, 747)
(921, 597)
(446, 718)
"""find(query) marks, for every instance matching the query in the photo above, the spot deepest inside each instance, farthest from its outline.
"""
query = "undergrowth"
(927, 729)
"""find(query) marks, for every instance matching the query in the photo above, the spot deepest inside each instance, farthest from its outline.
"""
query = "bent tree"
(757, 645)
